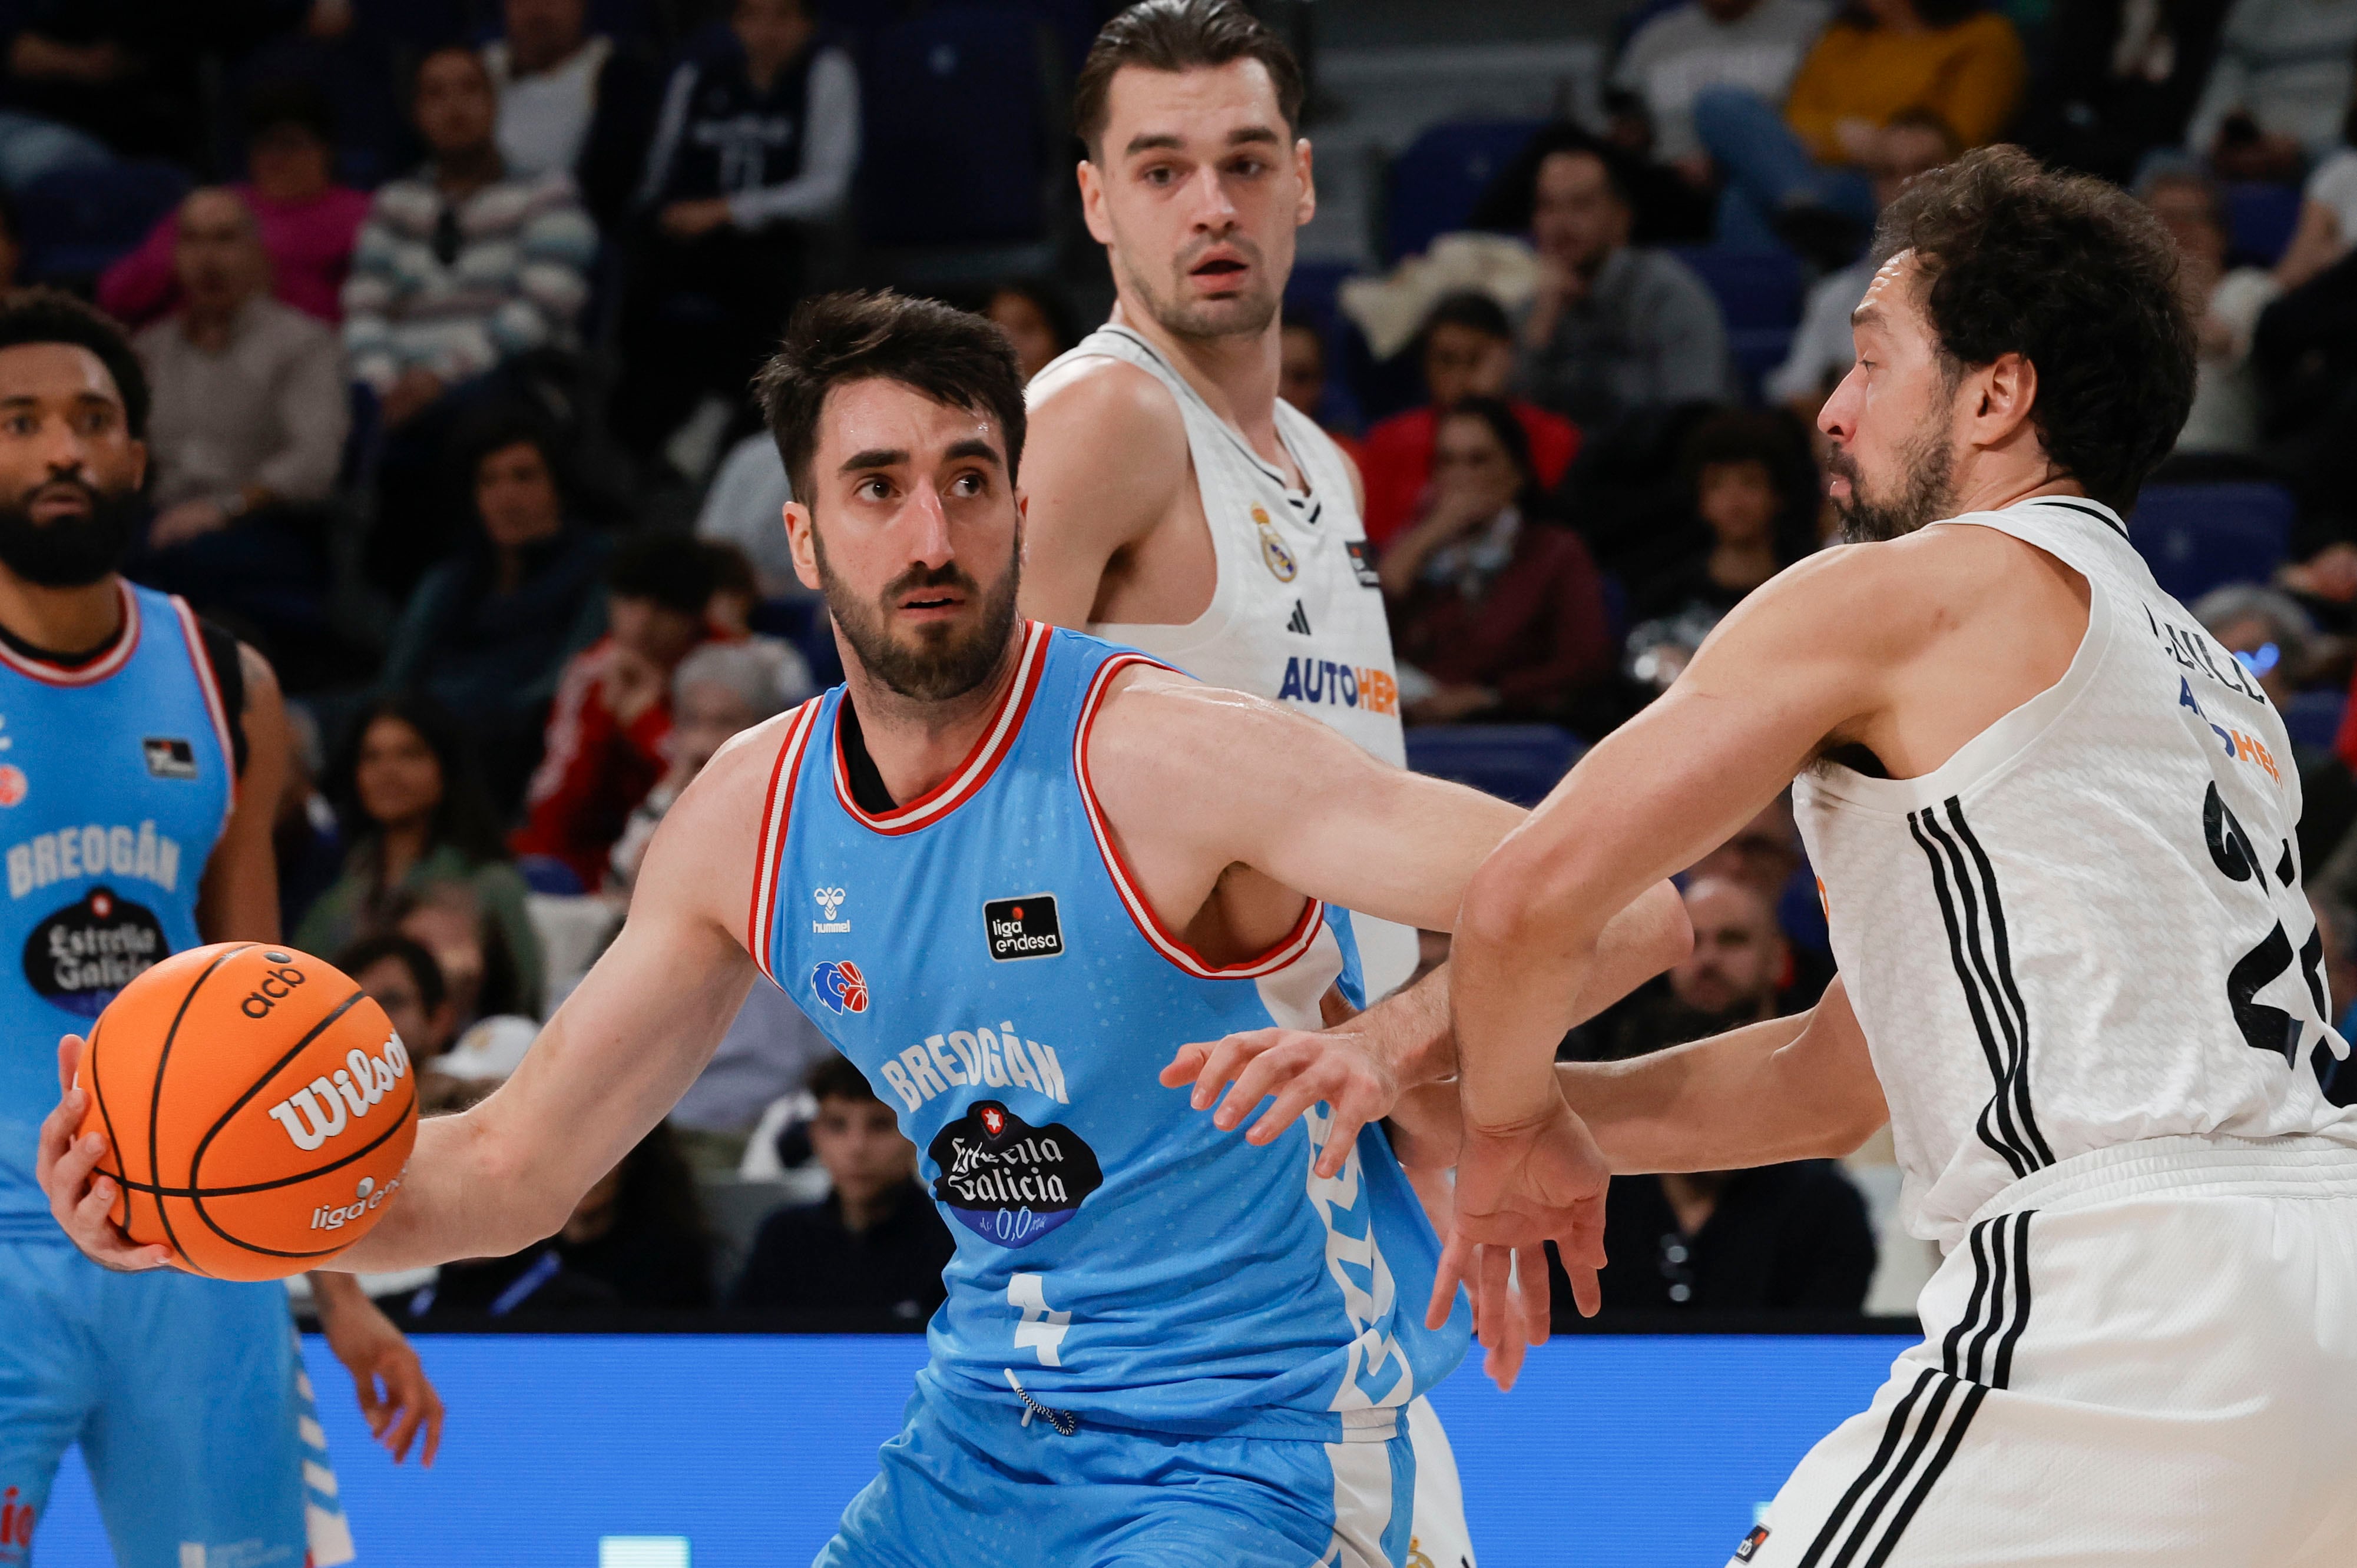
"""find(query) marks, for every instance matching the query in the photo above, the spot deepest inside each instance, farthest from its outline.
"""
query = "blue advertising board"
(724, 1451)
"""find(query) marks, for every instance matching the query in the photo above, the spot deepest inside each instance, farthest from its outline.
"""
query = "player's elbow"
(1668, 930)
(521, 1196)
(1522, 897)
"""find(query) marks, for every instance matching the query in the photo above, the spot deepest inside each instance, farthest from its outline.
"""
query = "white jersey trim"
(776, 809)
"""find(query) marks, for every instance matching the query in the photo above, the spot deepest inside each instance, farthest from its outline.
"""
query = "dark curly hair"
(2075, 276)
(53, 315)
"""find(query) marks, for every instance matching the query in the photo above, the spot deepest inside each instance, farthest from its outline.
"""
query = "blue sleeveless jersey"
(115, 781)
(982, 955)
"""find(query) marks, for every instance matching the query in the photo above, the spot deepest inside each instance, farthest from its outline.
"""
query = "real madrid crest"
(1273, 552)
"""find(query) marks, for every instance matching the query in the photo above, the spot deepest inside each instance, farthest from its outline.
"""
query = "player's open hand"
(1518, 1188)
(1300, 1068)
(80, 1196)
(396, 1398)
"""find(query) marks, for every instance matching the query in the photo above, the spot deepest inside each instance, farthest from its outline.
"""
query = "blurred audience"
(757, 145)
(572, 101)
(465, 263)
(1754, 494)
(1036, 319)
(1754, 46)
(414, 816)
(1466, 348)
(1301, 380)
(1803, 174)
(746, 509)
(1735, 975)
(122, 74)
(2277, 89)
(603, 749)
(400, 976)
(2328, 211)
(875, 1243)
(307, 222)
(1496, 612)
(640, 1230)
(488, 631)
(2120, 79)
(1614, 329)
(489, 986)
(2224, 302)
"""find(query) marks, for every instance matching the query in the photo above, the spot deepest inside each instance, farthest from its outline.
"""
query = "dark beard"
(1928, 495)
(942, 667)
(69, 553)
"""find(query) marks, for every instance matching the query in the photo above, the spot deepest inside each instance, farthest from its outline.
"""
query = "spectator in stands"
(1301, 377)
(2267, 631)
(1754, 46)
(1765, 854)
(745, 507)
(250, 412)
(400, 976)
(1614, 329)
(574, 102)
(1034, 316)
(1467, 349)
(735, 591)
(304, 841)
(1735, 975)
(2328, 211)
(875, 1244)
(2335, 922)
(1496, 613)
(2225, 302)
(308, 223)
(640, 1230)
(757, 143)
(1755, 513)
(1916, 141)
(488, 631)
(604, 746)
(415, 816)
(120, 78)
(465, 263)
(2278, 90)
(2120, 79)
(481, 964)
(1803, 176)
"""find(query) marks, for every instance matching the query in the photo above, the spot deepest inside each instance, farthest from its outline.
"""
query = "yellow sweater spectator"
(1969, 73)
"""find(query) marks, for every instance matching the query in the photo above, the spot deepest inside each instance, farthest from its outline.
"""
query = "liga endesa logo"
(839, 985)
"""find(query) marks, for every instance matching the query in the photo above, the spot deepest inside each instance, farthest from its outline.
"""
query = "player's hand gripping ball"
(258, 1109)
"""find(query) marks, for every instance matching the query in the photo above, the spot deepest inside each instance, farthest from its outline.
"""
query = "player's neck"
(61, 620)
(1997, 491)
(1235, 375)
(915, 743)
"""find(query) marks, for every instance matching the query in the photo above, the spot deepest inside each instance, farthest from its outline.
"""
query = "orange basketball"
(258, 1109)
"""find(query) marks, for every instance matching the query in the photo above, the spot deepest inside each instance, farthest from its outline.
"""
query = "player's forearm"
(1650, 935)
(457, 1200)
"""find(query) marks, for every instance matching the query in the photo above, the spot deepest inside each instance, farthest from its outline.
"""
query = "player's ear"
(2008, 389)
(138, 463)
(1093, 212)
(1306, 206)
(801, 535)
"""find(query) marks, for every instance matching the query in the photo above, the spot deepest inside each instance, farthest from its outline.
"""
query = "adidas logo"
(1300, 621)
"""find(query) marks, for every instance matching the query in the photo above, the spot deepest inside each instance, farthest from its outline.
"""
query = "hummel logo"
(1300, 621)
(830, 901)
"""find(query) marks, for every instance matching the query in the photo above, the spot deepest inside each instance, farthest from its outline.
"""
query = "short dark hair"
(1179, 35)
(53, 315)
(1472, 309)
(2077, 277)
(836, 1077)
(951, 356)
(1505, 205)
(463, 818)
(272, 104)
(672, 569)
(1047, 299)
(1499, 415)
(424, 971)
(504, 426)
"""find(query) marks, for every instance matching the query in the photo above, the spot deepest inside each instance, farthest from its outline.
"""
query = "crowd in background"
(449, 308)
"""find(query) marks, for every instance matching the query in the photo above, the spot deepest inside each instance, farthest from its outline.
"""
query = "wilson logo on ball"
(325, 1106)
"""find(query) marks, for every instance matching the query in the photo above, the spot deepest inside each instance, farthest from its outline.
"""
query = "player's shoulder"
(742, 768)
(1883, 596)
(1101, 397)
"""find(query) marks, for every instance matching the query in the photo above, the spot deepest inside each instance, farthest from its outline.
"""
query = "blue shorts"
(967, 1481)
(189, 1401)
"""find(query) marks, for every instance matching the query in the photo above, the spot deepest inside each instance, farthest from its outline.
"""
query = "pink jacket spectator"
(310, 245)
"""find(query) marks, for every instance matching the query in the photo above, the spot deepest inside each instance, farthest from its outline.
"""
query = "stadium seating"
(1760, 296)
(2259, 221)
(1516, 762)
(956, 126)
(1437, 178)
(2196, 537)
(79, 221)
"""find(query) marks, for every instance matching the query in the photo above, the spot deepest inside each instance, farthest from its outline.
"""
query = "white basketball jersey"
(2086, 927)
(1296, 614)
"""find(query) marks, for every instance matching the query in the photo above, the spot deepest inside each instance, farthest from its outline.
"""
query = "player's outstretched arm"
(619, 1052)
(1104, 461)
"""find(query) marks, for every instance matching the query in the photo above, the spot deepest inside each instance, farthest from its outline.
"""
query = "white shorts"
(1438, 1538)
(2144, 1356)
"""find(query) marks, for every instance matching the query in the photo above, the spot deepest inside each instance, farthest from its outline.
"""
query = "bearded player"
(141, 758)
(1007, 870)
(2056, 825)
(1178, 504)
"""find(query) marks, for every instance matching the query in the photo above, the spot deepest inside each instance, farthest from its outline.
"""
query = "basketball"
(258, 1109)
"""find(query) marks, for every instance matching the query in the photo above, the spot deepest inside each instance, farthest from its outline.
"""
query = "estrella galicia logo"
(1362, 562)
(169, 756)
(1023, 928)
(1007, 1181)
(81, 955)
(840, 987)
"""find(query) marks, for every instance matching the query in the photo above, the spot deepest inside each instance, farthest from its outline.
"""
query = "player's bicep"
(238, 900)
(1104, 461)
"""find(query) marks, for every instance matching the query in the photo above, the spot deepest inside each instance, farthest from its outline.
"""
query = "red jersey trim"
(1288, 949)
(776, 806)
(98, 669)
(209, 683)
(966, 780)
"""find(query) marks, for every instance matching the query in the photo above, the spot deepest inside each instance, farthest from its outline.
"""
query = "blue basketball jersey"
(116, 781)
(984, 956)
